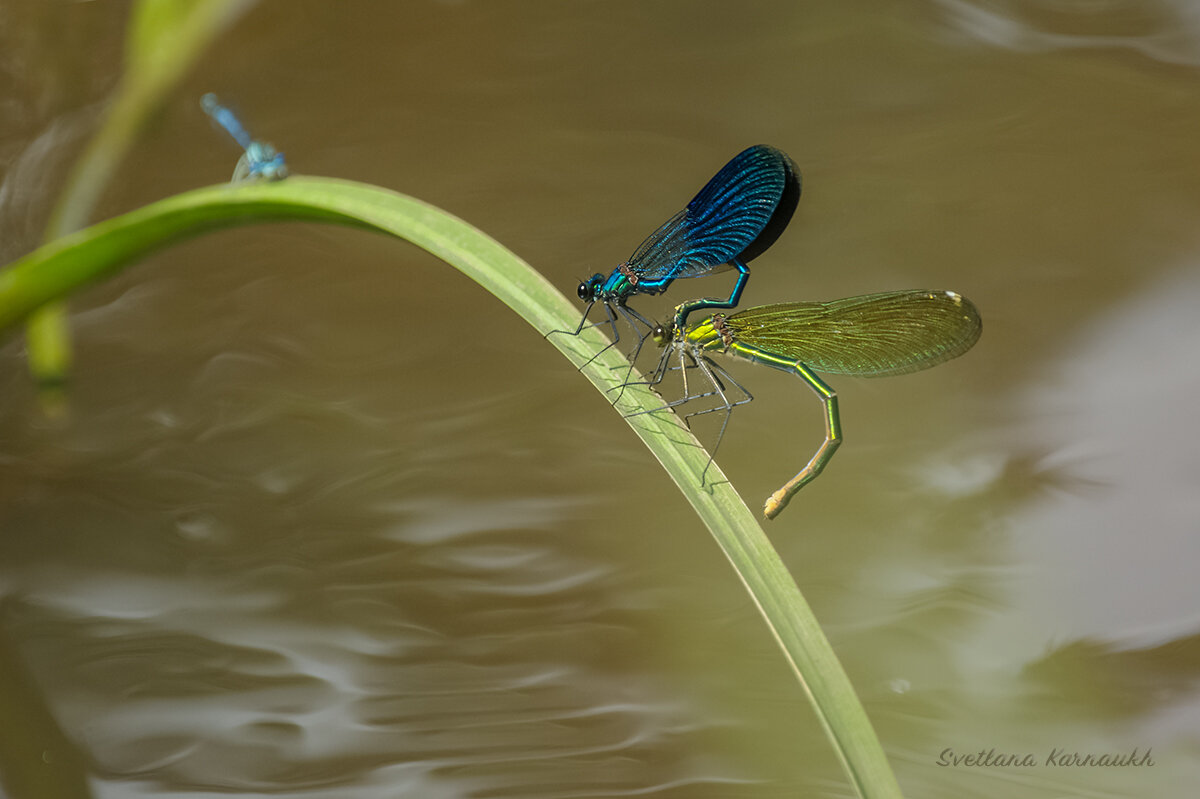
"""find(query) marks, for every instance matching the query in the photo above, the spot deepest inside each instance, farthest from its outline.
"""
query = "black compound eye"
(584, 291)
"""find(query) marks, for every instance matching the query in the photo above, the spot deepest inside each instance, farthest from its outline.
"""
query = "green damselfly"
(875, 335)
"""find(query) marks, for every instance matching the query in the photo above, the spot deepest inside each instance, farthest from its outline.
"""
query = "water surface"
(328, 521)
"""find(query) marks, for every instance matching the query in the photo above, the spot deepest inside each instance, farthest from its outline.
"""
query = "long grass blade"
(65, 265)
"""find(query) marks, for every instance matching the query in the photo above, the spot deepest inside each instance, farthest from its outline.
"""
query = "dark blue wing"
(741, 212)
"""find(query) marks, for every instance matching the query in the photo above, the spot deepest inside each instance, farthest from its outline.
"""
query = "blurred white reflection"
(1116, 410)
(1160, 29)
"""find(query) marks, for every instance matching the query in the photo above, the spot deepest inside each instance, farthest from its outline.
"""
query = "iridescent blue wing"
(739, 214)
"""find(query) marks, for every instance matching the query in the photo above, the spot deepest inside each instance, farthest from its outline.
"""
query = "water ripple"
(1164, 31)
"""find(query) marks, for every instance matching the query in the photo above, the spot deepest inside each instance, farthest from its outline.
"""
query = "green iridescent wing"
(875, 335)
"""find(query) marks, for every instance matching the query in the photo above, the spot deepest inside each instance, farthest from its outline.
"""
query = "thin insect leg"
(833, 438)
(717, 376)
(714, 371)
(718, 372)
(616, 335)
(657, 376)
(582, 323)
(661, 373)
(721, 372)
(718, 388)
(706, 366)
(633, 317)
(684, 375)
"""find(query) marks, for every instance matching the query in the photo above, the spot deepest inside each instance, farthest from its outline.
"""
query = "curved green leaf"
(64, 265)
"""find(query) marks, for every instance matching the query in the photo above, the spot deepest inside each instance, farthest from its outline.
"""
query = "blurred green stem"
(165, 38)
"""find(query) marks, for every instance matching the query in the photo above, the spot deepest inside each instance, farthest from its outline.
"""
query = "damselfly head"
(589, 290)
(661, 335)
